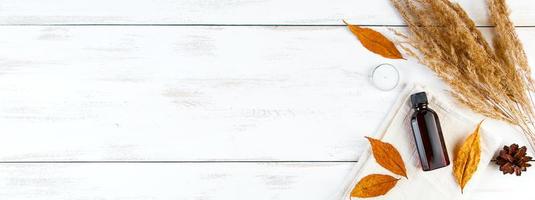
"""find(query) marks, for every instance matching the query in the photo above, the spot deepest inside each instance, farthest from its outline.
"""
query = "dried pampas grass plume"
(491, 80)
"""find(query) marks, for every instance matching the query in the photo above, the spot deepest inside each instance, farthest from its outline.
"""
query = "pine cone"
(513, 159)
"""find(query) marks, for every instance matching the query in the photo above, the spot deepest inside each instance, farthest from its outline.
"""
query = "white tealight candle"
(385, 77)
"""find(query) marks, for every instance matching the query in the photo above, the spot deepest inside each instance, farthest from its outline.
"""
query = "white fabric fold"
(437, 184)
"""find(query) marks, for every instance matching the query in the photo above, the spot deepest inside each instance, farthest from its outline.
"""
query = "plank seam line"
(171, 162)
(240, 25)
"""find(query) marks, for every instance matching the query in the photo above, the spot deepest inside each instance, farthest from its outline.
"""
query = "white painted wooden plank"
(185, 93)
(227, 11)
(191, 93)
(234, 181)
(210, 181)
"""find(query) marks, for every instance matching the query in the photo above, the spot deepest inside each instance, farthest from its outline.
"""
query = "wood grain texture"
(174, 181)
(185, 93)
(209, 181)
(191, 93)
(377, 12)
(95, 92)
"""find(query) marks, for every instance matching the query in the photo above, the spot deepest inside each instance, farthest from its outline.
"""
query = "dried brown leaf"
(467, 158)
(388, 157)
(375, 42)
(374, 185)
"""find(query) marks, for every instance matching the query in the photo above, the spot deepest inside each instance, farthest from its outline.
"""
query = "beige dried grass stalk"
(492, 80)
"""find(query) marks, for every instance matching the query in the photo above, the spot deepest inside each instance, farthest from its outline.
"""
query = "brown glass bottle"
(428, 134)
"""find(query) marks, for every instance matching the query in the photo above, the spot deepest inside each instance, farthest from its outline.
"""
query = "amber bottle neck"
(421, 107)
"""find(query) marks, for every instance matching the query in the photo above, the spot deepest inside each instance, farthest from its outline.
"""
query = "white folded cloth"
(437, 184)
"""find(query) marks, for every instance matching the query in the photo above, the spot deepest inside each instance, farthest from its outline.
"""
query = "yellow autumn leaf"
(375, 41)
(388, 156)
(467, 158)
(374, 185)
